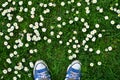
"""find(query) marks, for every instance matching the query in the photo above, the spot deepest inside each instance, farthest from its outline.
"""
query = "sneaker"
(41, 71)
(74, 71)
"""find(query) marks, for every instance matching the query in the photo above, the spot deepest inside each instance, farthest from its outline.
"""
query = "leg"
(41, 71)
(73, 71)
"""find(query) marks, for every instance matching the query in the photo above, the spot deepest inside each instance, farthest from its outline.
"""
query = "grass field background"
(55, 54)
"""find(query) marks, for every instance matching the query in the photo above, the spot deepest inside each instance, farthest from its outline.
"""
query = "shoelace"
(43, 75)
(73, 76)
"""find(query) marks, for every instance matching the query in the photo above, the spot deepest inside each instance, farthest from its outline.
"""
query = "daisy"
(91, 64)
(70, 57)
(69, 51)
(31, 64)
(99, 63)
(62, 3)
(49, 40)
(29, 2)
(78, 4)
(98, 52)
(58, 18)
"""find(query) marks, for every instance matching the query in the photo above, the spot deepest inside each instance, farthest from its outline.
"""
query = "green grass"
(55, 55)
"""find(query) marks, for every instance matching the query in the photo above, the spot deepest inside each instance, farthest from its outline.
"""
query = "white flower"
(87, 39)
(101, 10)
(91, 64)
(14, 78)
(112, 22)
(106, 50)
(5, 43)
(74, 46)
(86, 46)
(41, 4)
(51, 33)
(82, 20)
(76, 18)
(98, 52)
(87, 11)
(62, 3)
(7, 37)
(26, 45)
(4, 71)
(1, 33)
(11, 55)
(106, 17)
(31, 64)
(94, 1)
(60, 33)
(9, 69)
(23, 59)
(93, 39)
(99, 63)
(60, 42)
(19, 75)
(15, 72)
(76, 41)
(118, 26)
(100, 35)
(44, 29)
(73, 37)
(50, 4)
(8, 60)
(58, 36)
(11, 34)
(84, 29)
(45, 5)
(29, 2)
(110, 48)
(59, 18)
(78, 4)
(25, 9)
(97, 25)
(67, 43)
(90, 50)
(35, 50)
(63, 23)
(31, 51)
(76, 51)
(69, 51)
(74, 55)
(8, 46)
(49, 40)
(26, 69)
(45, 38)
(71, 21)
(15, 46)
(20, 3)
(70, 57)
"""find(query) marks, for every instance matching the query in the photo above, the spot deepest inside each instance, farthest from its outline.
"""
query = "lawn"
(58, 32)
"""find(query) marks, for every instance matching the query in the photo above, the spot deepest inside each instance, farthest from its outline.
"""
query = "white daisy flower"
(44, 29)
(74, 55)
(49, 40)
(4, 71)
(60, 42)
(98, 52)
(90, 50)
(106, 17)
(67, 43)
(91, 64)
(100, 35)
(20, 3)
(58, 18)
(9, 69)
(94, 1)
(97, 25)
(31, 64)
(70, 57)
(76, 18)
(112, 22)
(70, 21)
(15, 78)
(99, 63)
(11, 55)
(26, 69)
(8, 46)
(69, 51)
(31, 51)
(62, 3)
(8, 60)
(29, 2)
(110, 48)
(78, 4)
(118, 26)
(84, 29)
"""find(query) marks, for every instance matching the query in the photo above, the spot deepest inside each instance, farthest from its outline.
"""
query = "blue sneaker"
(73, 71)
(41, 71)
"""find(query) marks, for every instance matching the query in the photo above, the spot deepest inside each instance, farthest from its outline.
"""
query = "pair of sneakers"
(41, 71)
